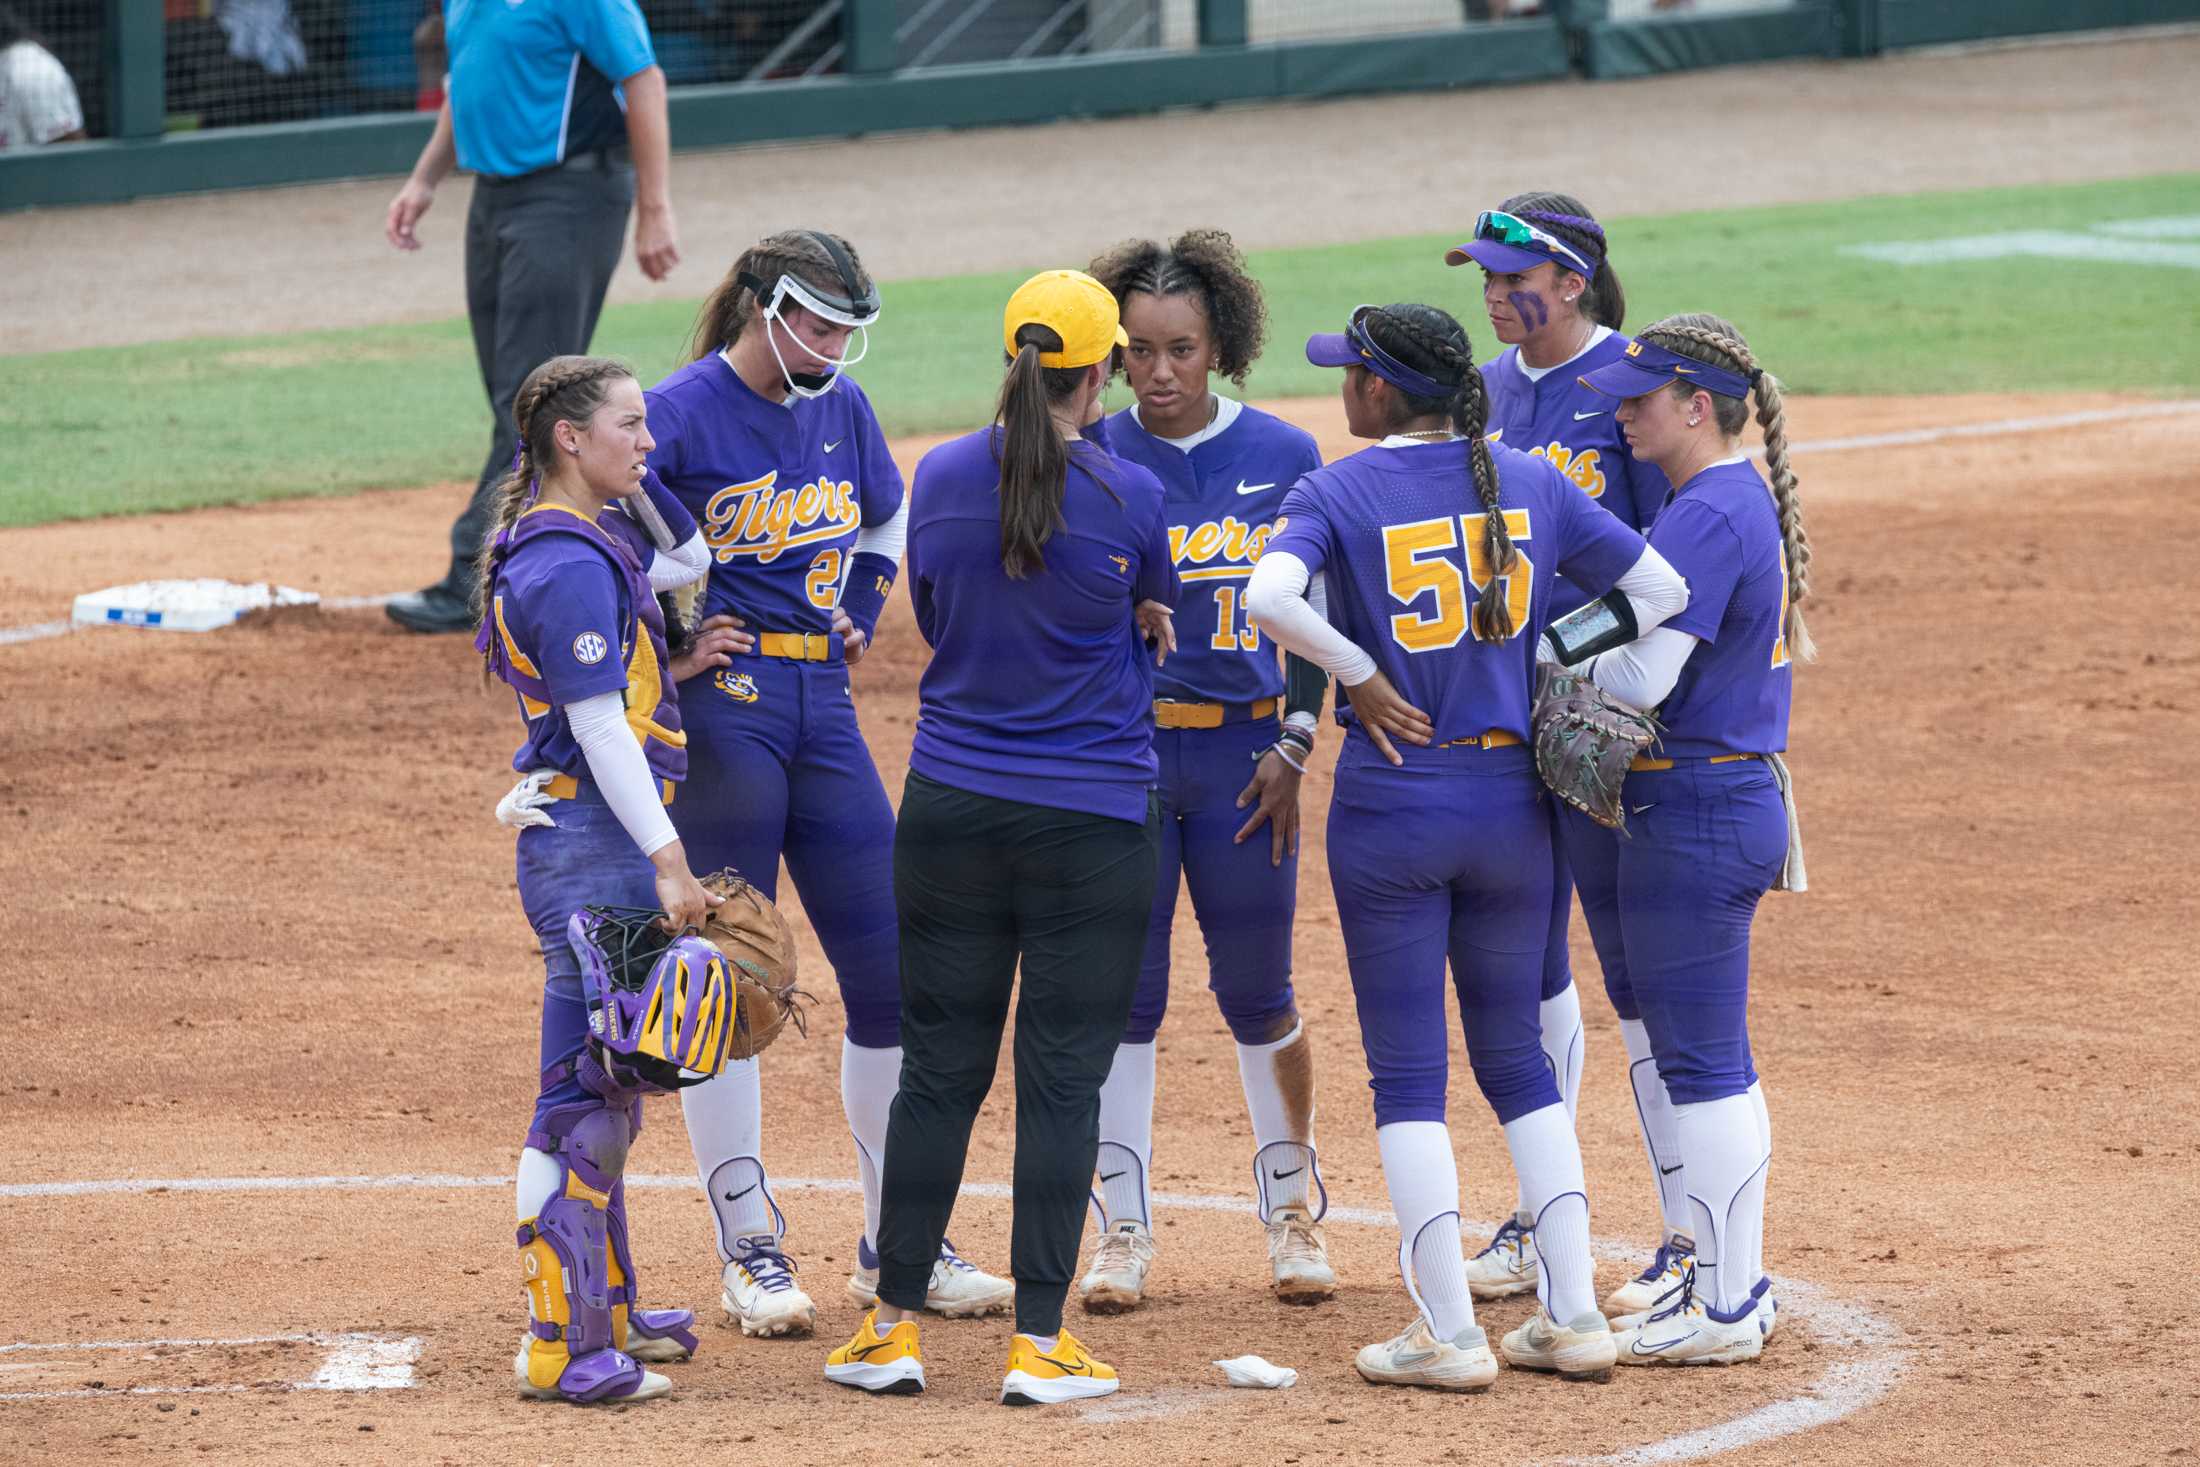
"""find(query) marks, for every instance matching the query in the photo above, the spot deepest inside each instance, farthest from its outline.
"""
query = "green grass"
(219, 421)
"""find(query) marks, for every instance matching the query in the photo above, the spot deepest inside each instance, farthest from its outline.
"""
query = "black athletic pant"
(979, 882)
(539, 255)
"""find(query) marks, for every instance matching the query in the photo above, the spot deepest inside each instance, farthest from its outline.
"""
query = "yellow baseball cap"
(1076, 308)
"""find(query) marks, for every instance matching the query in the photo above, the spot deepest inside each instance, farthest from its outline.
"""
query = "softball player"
(1191, 310)
(779, 456)
(571, 621)
(1439, 548)
(1712, 815)
(1552, 295)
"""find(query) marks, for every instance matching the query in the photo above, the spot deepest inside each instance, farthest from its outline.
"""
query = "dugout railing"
(173, 89)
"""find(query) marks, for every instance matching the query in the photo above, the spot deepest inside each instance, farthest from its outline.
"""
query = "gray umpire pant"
(540, 250)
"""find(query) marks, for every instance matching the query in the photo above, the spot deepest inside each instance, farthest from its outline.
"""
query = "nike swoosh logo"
(745, 1191)
(1109, 1176)
(1600, 412)
(1073, 1367)
(1665, 1171)
(1245, 488)
(1415, 1359)
(868, 1350)
(1662, 1348)
(1279, 1176)
(834, 444)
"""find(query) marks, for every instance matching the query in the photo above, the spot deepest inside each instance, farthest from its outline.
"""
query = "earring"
(1692, 422)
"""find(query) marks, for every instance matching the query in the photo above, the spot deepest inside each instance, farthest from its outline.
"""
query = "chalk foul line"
(1871, 1354)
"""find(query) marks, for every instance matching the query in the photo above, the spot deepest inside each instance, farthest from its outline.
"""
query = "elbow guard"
(1605, 623)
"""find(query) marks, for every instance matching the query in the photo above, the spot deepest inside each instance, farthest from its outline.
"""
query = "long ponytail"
(1033, 457)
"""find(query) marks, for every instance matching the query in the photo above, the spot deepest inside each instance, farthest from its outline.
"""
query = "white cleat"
(1508, 1265)
(760, 1292)
(1582, 1350)
(652, 1385)
(1121, 1256)
(1299, 1258)
(1648, 1290)
(663, 1350)
(1683, 1332)
(958, 1289)
(1418, 1358)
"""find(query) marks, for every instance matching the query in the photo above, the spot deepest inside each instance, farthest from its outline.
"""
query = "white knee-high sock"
(1725, 1171)
(540, 1176)
(869, 1081)
(1423, 1179)
(1756, 1262)
(1562, 1044)
(1126, 1137)
(1548, 1160)
(1660, 1136)
(1279, 1096)
(725, 1121)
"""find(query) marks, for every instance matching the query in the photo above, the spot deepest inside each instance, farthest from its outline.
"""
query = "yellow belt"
(797, 646)
(1644, 761)
(566, 787)
(1494, 738)
(1168, 713)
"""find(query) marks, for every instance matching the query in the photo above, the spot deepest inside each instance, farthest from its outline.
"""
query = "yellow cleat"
(1068, 1372)
(891, 1364)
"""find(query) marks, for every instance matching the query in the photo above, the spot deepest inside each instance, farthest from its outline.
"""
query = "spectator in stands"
(38, 102)
(559, 107)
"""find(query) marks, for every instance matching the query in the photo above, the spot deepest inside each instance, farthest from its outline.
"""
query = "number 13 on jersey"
(1417, 565)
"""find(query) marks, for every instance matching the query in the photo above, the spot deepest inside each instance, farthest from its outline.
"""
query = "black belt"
(594, 160)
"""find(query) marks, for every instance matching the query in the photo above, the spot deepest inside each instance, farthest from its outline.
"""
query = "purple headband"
(1355, 347)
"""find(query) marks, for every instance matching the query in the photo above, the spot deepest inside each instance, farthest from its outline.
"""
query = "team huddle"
(1134, 620)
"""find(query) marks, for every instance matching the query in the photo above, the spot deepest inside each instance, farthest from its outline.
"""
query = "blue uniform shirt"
(1722, 532)
(1398, 532)
(1557, 418)
(1039, 690)
(780, 489)
(575, 618)
(533, 82)
(1219, 499)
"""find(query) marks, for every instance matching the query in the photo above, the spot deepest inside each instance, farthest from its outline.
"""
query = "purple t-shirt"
(1219, 500)
(573, 624)
(1573, 426)
(780, 489)
(1039, 690)
(1722, 532)
(1398, 534)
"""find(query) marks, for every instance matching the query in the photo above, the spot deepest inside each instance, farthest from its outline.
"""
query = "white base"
(182, 606)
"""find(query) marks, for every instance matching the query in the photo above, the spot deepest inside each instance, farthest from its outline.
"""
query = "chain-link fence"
(53, 76)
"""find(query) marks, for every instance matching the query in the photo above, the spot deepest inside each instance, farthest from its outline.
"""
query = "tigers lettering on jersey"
(759, 519)
(1581, 467)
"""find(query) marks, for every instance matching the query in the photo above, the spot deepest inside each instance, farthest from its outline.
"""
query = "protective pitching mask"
(850, 307)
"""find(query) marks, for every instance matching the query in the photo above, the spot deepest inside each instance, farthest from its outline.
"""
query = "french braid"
(1708, 338)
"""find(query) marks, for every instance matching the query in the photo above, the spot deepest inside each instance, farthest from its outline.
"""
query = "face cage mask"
(857, 313)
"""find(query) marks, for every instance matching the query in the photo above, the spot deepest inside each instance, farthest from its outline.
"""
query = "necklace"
(1434, 435)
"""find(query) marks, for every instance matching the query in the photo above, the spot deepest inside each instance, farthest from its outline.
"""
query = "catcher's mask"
(855, 304)
(661, 1007)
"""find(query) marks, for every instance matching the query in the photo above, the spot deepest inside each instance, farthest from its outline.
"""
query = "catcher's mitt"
(748, 929)
(1584, 741)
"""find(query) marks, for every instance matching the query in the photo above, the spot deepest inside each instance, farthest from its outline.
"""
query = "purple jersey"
(1219, 499)
(1557, 418)
(1722, 532)
(573, 617)
(1398, 533)
(1039, 690)
(780, 489)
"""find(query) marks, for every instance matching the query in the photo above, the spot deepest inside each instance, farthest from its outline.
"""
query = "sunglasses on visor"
(1498, 227)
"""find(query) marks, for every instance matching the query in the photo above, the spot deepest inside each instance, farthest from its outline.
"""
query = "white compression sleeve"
(621, 770)
(1276, 598)
(671, 569)
(887, 539)
(1654, 589)
(1643, 672)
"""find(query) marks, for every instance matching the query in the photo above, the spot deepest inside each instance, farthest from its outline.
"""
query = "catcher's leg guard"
(565, 1256)
(647, 1334)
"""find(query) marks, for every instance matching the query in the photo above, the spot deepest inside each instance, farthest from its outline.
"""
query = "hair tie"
(1756, 375)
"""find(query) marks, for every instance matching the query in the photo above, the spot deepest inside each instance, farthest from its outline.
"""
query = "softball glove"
(1584, 741)
(759, 945)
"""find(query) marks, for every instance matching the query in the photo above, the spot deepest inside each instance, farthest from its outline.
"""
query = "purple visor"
(1505, 244)
(1353, 347)
(1648, 366)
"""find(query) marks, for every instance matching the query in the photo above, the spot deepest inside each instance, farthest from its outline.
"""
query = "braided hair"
(1203, 263)
(1714, 340)
(1602, 300)
(563, 389)
(1435, 345)
(727, 310)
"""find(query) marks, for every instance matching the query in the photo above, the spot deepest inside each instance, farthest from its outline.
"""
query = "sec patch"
(589, 648)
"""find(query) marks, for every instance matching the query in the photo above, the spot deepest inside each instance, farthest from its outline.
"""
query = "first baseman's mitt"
(1584, 740)
(748, 929)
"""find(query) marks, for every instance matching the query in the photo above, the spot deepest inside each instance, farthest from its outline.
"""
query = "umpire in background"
(558, 107)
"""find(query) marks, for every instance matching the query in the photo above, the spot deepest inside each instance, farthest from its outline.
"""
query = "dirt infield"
(265, 927)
